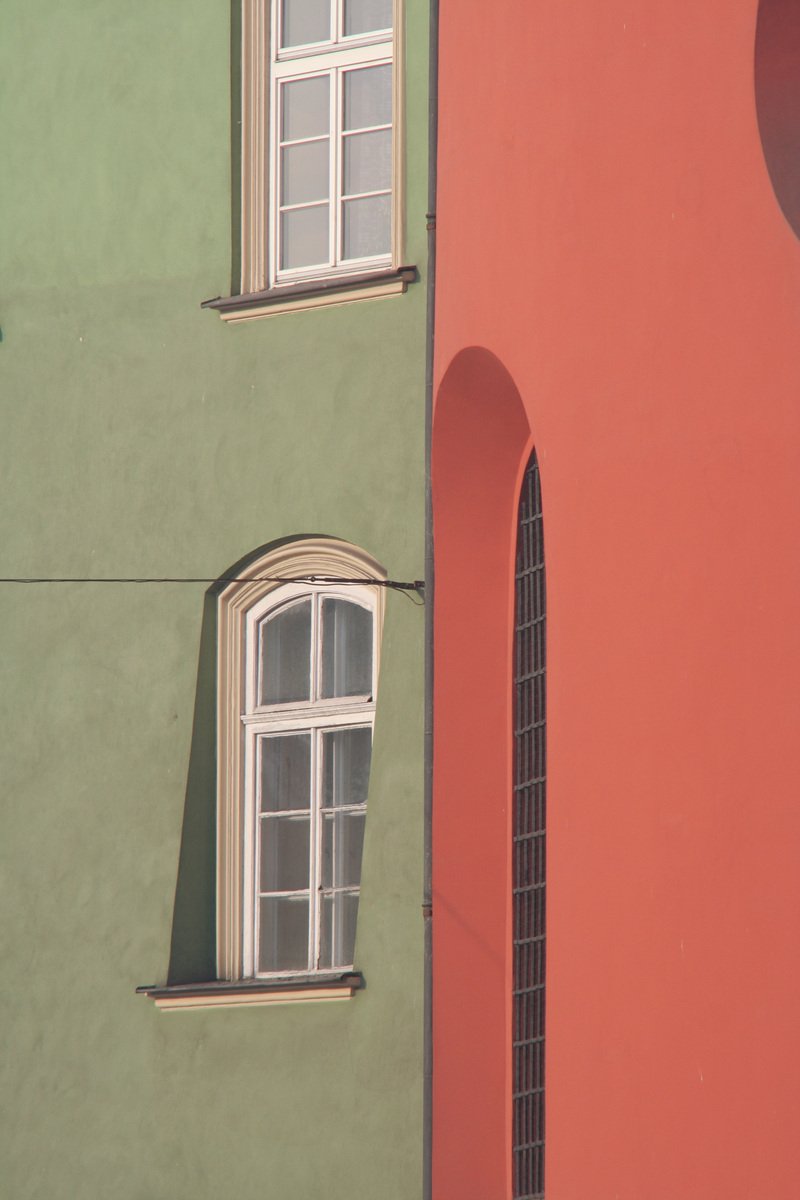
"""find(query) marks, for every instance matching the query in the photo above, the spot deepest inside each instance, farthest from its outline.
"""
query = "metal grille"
(529, 844)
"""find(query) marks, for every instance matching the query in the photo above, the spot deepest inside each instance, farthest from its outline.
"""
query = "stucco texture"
(629, 307)
(143, 437)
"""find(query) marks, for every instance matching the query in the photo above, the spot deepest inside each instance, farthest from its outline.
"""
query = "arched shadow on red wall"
(481, 444)
(777, 88)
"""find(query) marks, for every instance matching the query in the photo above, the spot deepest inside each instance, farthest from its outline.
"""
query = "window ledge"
(317, 293)
(253, 992)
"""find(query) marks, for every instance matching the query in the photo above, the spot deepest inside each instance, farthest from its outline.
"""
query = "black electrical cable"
(417, 585)
(397, 585)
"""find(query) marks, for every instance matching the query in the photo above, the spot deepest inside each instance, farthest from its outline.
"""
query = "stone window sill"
(314, 294)
(242, 993)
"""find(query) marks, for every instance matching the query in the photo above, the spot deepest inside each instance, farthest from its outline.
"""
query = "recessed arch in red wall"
(481, 444)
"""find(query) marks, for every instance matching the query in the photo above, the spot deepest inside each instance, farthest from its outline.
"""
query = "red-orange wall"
(617, 285)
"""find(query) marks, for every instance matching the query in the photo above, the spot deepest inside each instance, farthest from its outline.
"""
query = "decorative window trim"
(310, 557)
(256, 218)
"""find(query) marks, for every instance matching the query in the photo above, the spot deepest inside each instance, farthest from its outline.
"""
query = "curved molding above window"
(307, 559)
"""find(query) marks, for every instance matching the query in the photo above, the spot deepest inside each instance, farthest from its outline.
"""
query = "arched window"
(298, 669)
(529, 817)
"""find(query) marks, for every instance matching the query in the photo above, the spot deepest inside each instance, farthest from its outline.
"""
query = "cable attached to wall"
(407, 588)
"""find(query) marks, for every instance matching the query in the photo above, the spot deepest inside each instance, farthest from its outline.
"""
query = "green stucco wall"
(143, 437)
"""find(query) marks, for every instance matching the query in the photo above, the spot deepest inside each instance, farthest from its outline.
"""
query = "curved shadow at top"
(777, 91)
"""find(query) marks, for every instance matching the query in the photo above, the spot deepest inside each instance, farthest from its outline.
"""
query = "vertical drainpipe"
(427, 896)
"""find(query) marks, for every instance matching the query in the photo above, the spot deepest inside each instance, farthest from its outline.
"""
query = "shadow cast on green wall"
(192, 956)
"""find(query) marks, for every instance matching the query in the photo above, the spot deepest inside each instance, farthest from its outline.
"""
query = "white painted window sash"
(263, 67)
(314, 717)
(332, 59)
(354, 594)
(338, 35)
(251, 594)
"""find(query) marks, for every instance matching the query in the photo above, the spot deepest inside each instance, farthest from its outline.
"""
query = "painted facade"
(617, 287)
(617, 269)
(145, 437)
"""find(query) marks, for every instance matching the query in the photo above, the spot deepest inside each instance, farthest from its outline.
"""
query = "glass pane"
(365, 16)
(304, 237)
(338, 933)
(305, 111)
(368, 97)
(305, 21)
(367, 227)
(283, 934)
(367, 162)
(286, 655)
(342, 844)
(284, 854)
(346, 649)
(285, 772)
(345, 766)
(305, 171)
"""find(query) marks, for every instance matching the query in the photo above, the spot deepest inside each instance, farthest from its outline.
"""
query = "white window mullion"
(315, 898)
(335, 169)
(336, 908)
(334, 175)
(316, 783)
(316, 657)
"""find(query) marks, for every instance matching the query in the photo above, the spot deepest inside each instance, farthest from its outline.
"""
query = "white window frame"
(241, 721)
(263, 72)
(315, 717)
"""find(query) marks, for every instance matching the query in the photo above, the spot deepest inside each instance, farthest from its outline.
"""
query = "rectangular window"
(311, 793)
(320, 164)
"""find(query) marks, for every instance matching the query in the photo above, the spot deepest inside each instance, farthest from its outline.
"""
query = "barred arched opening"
(529, 823)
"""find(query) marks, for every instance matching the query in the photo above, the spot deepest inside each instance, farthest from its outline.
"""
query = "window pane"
(285, 772)
(367, 227)
(284, 854)
(342, 844)
(286, 655)
(346, 649)
(283, 934)
(364, 16)
(305, 21)
(367, 162)
(305, 237)
(368, 97)
(338, 933)
(305, 171)
(345, 766)
(305, 108)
